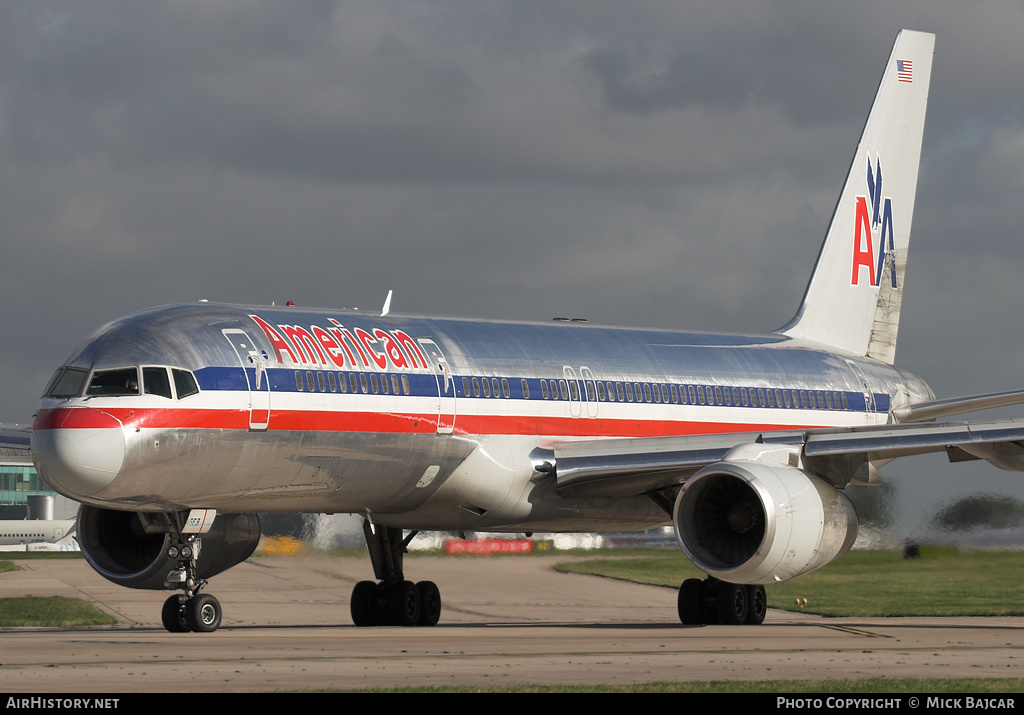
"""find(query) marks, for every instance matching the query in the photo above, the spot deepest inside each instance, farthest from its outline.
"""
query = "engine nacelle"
(748, 522)
(118, 547)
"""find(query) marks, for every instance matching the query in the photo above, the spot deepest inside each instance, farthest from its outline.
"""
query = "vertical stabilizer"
(853, 299)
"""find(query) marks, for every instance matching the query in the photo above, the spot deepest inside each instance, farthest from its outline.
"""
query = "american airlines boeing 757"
(175, 426)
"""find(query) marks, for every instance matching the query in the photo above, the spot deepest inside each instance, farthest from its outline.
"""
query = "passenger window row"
(353, 382)
(489, 387)
(665, 393)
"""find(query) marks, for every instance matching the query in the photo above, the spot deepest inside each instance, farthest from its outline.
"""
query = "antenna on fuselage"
(387, 305)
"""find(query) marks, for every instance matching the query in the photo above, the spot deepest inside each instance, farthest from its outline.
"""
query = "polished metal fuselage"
(420, 422)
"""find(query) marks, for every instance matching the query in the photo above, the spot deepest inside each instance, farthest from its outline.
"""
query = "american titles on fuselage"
(352, 348)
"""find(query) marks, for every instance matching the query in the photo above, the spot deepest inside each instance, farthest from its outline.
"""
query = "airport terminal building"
(23, 495)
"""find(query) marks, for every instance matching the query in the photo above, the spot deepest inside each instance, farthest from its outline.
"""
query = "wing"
(14, 436)
(623, 467)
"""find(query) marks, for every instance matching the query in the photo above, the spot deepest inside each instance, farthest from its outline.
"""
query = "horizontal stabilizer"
(934, 409)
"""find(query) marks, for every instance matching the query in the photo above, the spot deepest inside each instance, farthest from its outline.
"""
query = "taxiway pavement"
(506, 620)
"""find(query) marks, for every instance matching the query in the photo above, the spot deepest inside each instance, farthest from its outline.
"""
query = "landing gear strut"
(393, 601)
(713, 601)
(189, 610)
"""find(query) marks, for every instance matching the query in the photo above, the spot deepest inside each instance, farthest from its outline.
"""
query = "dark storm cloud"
(352, 93)
(642, 163)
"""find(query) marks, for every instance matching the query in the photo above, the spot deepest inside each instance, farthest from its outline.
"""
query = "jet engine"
(748, 522)
(122, 548)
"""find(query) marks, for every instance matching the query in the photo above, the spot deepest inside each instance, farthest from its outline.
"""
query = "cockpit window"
(184, 383)
(66, 383)
(122, 381)
(155, 382)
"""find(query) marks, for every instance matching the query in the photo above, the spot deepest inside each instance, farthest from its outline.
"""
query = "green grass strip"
(861, 583)
(51, 611)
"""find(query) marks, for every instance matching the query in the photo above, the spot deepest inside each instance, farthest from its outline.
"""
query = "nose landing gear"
(200, 614)
(190, 610)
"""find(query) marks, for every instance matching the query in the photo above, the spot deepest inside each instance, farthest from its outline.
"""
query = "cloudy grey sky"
(649, 163)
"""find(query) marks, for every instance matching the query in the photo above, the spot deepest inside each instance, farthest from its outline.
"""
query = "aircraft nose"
(78, 451)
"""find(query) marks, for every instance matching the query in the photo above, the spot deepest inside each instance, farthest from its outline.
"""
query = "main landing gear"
(189, 610)
(393, 601)
(713, 601)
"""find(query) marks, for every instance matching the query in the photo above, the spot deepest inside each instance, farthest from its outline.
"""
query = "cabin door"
(868, 402)
(445, 387)
(256, 377)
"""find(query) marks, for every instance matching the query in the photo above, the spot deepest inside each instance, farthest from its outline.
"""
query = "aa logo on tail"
(871, 227)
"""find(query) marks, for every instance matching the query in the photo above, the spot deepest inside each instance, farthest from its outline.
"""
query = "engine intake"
(118, 547)
(748, 522)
